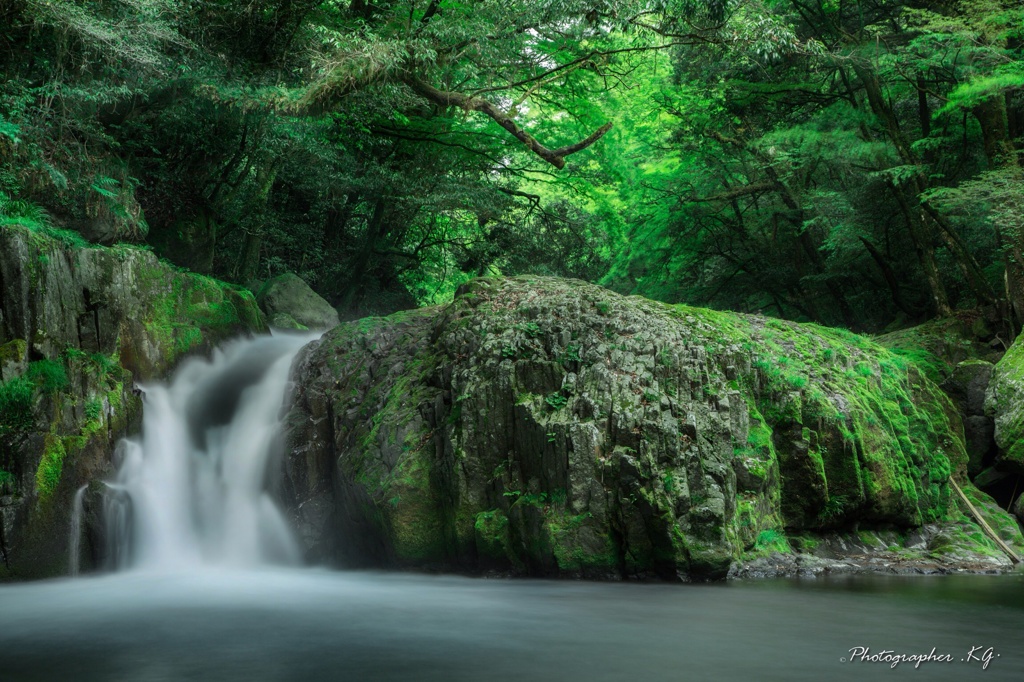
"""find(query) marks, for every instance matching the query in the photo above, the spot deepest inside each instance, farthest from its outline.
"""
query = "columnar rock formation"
(552, 427)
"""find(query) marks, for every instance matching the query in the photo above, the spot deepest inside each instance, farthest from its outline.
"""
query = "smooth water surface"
(309, 625)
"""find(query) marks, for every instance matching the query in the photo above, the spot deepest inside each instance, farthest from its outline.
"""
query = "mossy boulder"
(1005, 403)
(78, 327)
(551, 427)
(291, 304)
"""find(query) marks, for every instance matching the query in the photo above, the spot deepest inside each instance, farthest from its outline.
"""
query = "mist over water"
(194, 490)
(229, 625)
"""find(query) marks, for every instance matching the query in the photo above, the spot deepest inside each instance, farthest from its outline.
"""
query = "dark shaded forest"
(853, 163)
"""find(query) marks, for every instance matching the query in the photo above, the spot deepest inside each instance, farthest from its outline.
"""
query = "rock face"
(551, 427)
(78, 326)
(290, 304)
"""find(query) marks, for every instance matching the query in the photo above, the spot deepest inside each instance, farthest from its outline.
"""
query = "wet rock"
(284, 321)
(979, 439)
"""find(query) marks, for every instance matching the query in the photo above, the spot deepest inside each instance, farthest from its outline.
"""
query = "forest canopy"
(853, 163)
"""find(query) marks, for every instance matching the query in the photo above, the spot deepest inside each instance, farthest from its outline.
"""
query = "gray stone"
(284, 321)
(289, 295)
(968, 384)
(979, 432)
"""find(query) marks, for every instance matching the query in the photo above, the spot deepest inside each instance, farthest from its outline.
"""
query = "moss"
(13, 351)
(579, 546)
(186, 309)
(998, 519)
(957, 541)
(937, 346)
(825, 425)
(50, 466)
(770, 541)
(417, 529)
(491, 536)
(1006, 389)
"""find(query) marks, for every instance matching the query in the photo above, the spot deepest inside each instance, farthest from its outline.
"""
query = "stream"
(308, 625)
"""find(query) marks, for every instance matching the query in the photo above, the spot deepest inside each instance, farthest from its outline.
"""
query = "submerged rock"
(551, 427)
(78, 327)
(290, 304)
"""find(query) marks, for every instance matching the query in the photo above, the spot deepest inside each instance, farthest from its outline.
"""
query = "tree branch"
(737, 192)
(556, 157)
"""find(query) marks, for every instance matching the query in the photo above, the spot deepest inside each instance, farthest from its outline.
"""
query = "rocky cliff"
(79, 325)
(551, 427)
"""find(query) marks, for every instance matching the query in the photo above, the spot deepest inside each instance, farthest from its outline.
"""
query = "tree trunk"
(249, 259)
(888, 274)
(374, 231)
(993, 118)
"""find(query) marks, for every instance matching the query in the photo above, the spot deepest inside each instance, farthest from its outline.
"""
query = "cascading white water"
(75, 541)
(193, 490)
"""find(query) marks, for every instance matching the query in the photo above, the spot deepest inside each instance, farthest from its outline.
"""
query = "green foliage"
(48, 375)
(556, 401)
(15, 406)
(532, 329)
(21, 212)
(93, 410)
(769, 538)
(571, 354)
(816, 161)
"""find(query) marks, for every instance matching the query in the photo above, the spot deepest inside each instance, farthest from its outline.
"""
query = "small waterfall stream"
(193, 490)
(75, 542)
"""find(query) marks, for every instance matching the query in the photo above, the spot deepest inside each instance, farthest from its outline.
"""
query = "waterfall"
(194, 489)
(75, 542)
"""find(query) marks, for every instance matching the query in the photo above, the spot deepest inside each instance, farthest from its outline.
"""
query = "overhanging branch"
(556, 157)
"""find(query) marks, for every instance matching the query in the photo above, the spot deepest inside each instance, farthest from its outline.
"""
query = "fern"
(18, 211)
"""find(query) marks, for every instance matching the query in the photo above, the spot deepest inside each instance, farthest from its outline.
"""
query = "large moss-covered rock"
(291, 304)
(1005, 403)
(551, 427)
(78, 327)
